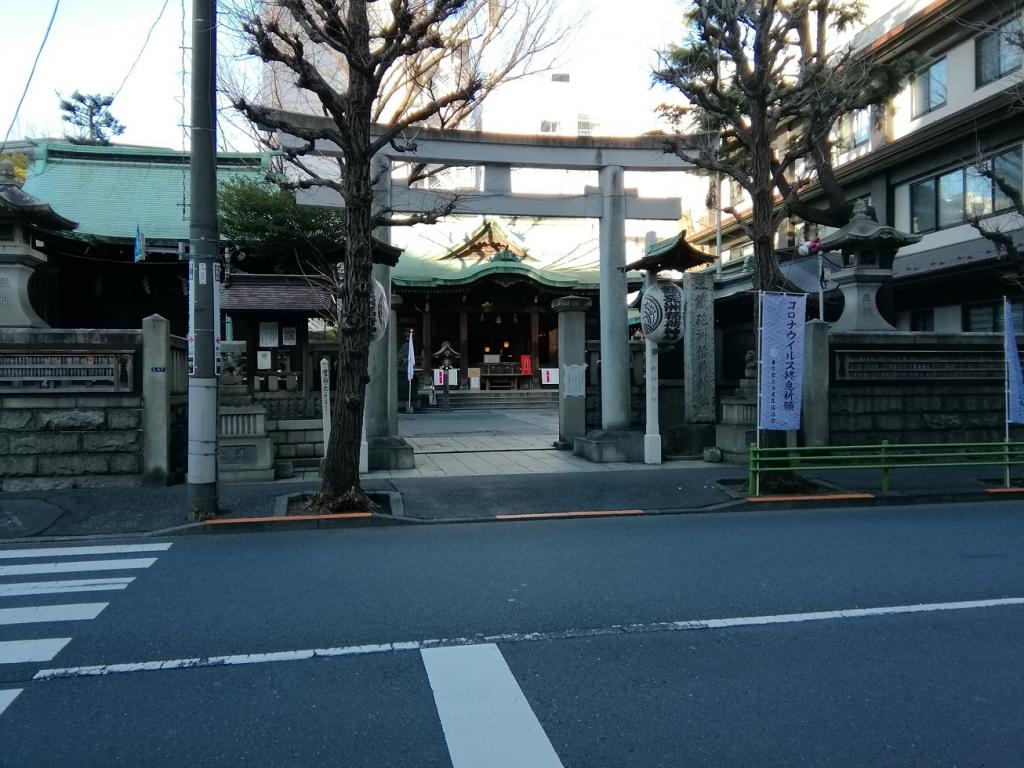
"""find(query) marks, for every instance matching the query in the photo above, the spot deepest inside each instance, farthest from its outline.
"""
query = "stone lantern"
(868, 250)
(19, 213)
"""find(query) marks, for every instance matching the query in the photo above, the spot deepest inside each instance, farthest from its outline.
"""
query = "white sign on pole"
(782, 361)
(1014, 380)
(191, 320)
(325, 400)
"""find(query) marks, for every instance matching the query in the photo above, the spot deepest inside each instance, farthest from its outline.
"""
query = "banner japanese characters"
(782, 361)
(1014, 381)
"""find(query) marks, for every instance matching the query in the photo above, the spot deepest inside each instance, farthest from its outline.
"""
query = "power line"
(142, 50)
(32, 72)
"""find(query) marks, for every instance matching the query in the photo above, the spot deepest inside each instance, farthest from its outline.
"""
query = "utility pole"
(202, 381)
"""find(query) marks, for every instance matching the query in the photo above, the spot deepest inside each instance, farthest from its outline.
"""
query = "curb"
(281, 521)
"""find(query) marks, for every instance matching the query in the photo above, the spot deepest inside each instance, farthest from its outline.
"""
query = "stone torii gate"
(498, 154)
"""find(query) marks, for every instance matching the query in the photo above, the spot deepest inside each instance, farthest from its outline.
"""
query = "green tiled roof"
(420, 271)
(111, 190)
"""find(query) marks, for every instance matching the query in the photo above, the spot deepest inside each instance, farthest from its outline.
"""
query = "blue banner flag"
(1014, 383)
(140, 244)
(780, 391)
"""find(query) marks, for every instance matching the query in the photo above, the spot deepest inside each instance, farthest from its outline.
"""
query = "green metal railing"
(884, 457)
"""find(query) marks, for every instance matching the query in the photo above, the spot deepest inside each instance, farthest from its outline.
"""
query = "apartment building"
(916, 161)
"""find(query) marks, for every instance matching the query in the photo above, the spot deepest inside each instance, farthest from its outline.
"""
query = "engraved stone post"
(572, 388)
(699, 348)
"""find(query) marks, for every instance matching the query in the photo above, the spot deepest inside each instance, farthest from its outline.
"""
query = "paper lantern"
(379, 312)
(661, 313)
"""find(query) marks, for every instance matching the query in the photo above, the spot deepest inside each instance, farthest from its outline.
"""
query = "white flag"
(782, 360)
(410, 362)
(1014, 381)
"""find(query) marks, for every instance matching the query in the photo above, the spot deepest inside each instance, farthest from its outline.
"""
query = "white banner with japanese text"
(782, 360)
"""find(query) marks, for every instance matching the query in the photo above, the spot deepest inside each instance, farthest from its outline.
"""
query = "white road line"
(76, 565)
(6, 697)
(39, 614)
(65, 585)
(118, 549)
(23, 651)
(485, 716)
(517, 637)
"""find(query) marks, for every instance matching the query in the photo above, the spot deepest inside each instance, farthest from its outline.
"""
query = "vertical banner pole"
(757, 409)
(410, 373)
(1007, 327)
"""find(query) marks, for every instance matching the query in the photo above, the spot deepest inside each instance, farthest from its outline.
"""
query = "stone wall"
(914, 388)
(671, 391)
(297, 438)
(71, 441)
(918, 412)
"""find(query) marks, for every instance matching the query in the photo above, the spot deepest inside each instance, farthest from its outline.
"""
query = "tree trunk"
(340, 490)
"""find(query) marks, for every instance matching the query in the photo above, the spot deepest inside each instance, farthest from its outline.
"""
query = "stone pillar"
(396, 369)
(572, 383)
(377, 424)
(384, 449)
(652, 435)
(816, 383)
(535, 344)
(614, 325)
(463, 347)
(425, 345)
(699, 347)
(156, 400)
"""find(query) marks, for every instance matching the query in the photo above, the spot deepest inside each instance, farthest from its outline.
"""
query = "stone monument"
(868, 249)
(20, 213)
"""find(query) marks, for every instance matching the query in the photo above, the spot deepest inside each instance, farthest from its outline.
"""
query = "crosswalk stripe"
(6, 697)
(76, 565)
(112, 549)
(485, 716)
(24, 651)
(38, 614)
(65, 585)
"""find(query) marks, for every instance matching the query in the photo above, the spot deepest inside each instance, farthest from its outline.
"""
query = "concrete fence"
(862, 388)
(91, 408)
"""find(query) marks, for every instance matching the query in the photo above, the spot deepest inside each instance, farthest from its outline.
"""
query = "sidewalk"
(500, 464)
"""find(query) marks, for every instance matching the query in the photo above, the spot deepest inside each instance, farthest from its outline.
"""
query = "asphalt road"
(728, 639)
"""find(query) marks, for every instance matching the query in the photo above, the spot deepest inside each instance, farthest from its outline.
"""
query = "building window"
(922, 320)
(965, 193)
(988, 317)
(855, 128)
(549, 126)
(928, 89)
(997, 53)
(1007, 169)
(560, 77)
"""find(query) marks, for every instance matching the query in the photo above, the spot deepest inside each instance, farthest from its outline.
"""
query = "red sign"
(525, 365)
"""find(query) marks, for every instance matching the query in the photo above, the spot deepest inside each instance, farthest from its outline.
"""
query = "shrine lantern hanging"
(379, 312)
(661, 313)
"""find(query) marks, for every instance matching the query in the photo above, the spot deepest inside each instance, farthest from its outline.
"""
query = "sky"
(92, 45)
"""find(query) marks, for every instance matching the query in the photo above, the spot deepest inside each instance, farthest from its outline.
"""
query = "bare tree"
(1006, 40)
(397, 64)
(765, 88)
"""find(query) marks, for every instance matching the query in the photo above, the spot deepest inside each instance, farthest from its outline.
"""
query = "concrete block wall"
(70, 441)
(297, 438)
(916, 412)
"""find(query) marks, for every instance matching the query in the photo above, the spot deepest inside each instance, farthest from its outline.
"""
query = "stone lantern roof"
(18, 204)
(862, 230)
